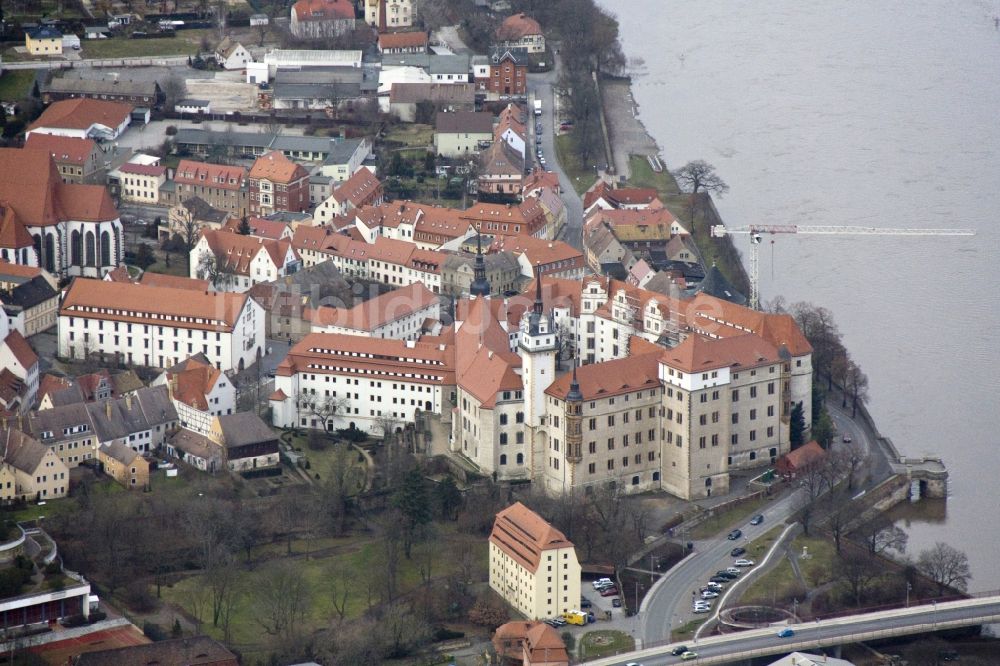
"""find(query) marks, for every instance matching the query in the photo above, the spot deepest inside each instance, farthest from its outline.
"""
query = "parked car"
(679, 650)
(602, 582)
(689, 655)
(722, 573)
(733, 571)
(736, 552)
(744, 563)
(709, 594)
(585, 602)
(734, 535)
(701, 609)
(609, 592)
(786, 632)
(616, 602)
(757, 520)
(846, 438)
(713, 586)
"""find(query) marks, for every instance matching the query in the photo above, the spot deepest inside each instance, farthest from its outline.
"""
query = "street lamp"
(795, 609)
(908, 588)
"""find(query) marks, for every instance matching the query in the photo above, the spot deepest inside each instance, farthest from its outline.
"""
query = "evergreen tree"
(449, 498)
(244, 225)
(413, 501)
(798, 426)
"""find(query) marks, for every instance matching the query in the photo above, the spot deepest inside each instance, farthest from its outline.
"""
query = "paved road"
(668, 605)
(540, 87)
(159, 61)
(868, 626)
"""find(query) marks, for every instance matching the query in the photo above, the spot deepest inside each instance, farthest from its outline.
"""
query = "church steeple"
(480, 285)
(574, 394)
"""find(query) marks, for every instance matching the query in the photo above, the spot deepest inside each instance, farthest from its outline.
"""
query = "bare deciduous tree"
(945, 565)
(700, 176)
(283, 599)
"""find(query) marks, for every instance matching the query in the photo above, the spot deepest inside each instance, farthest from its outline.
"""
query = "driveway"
(540, 86)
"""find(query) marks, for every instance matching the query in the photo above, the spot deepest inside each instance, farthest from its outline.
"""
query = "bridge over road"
(827, 633)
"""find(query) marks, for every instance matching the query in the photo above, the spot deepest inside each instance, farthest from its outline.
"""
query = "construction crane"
(756, 232)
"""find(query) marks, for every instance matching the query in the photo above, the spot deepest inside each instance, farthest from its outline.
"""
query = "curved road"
(811, 635)
(667, 606)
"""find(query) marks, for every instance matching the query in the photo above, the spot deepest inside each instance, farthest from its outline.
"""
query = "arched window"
(753, 455)
(708, 482)
(90, 250)
(520, 458)
(503, 459)
(635, 480)
(75, 248)
(38, 247)
(656, 476)
(105, 248)
(50, 253)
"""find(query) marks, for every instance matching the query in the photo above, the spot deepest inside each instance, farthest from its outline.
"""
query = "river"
(869, 113)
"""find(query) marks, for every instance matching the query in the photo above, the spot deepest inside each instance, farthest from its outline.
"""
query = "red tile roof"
(21, 350)
(277, 168)
(192, 380)
(638, 371)
(698, 353)
(13, 235)
(217, 310)
(143, 169)
(517, 26)
(62, 148)
(524, 535)
(540, 252)
(240, 250)
(173, 281)
(17, 270)
(375, 312)
(206, 174)
(82, 113)
(87, 203)
(402, 40)
(323, 10)
(360, 189)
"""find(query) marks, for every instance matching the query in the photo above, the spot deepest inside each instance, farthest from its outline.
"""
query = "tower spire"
(538, 290)
(480, 285)
(574, 387)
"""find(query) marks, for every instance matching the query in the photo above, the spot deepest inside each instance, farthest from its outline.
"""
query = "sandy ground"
(225, 95)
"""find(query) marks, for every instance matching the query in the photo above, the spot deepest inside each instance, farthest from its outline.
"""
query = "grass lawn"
(16, 84)
(729, 518)
(604, 643)
(354, 560)
(412, 134)
(185, 43)
(323, 462)
(582, 175)
(781, 585)
(686, 631)
(644, 176)
(178, 263)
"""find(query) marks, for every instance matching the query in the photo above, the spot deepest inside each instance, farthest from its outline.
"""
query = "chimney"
(171, 385)
(128, 401)
(107, 408)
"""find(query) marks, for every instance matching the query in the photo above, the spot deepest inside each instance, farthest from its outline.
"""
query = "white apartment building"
(398, 314)
(533, 566)
(160, 326)
(233, 262)
(141, 183)
(368, 378)
(199, 391)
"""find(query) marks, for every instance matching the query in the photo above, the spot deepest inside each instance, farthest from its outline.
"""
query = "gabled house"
(124, 465)
(221, 186)
(399, 314)
(248, 442)
(78, 160)
(43, 41)
(84, 119)
(361, 189)
(462, 133)
(508, 74)
(605, 196)
(402, 42)
(29, 303)
(230, 54)
(520, 31)
(389, 14)
(38, 473)
(199, 391)
(501, 169)
(320, 19)
(234, 262)
(18, 372)
(193, 216)
(278, 184)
